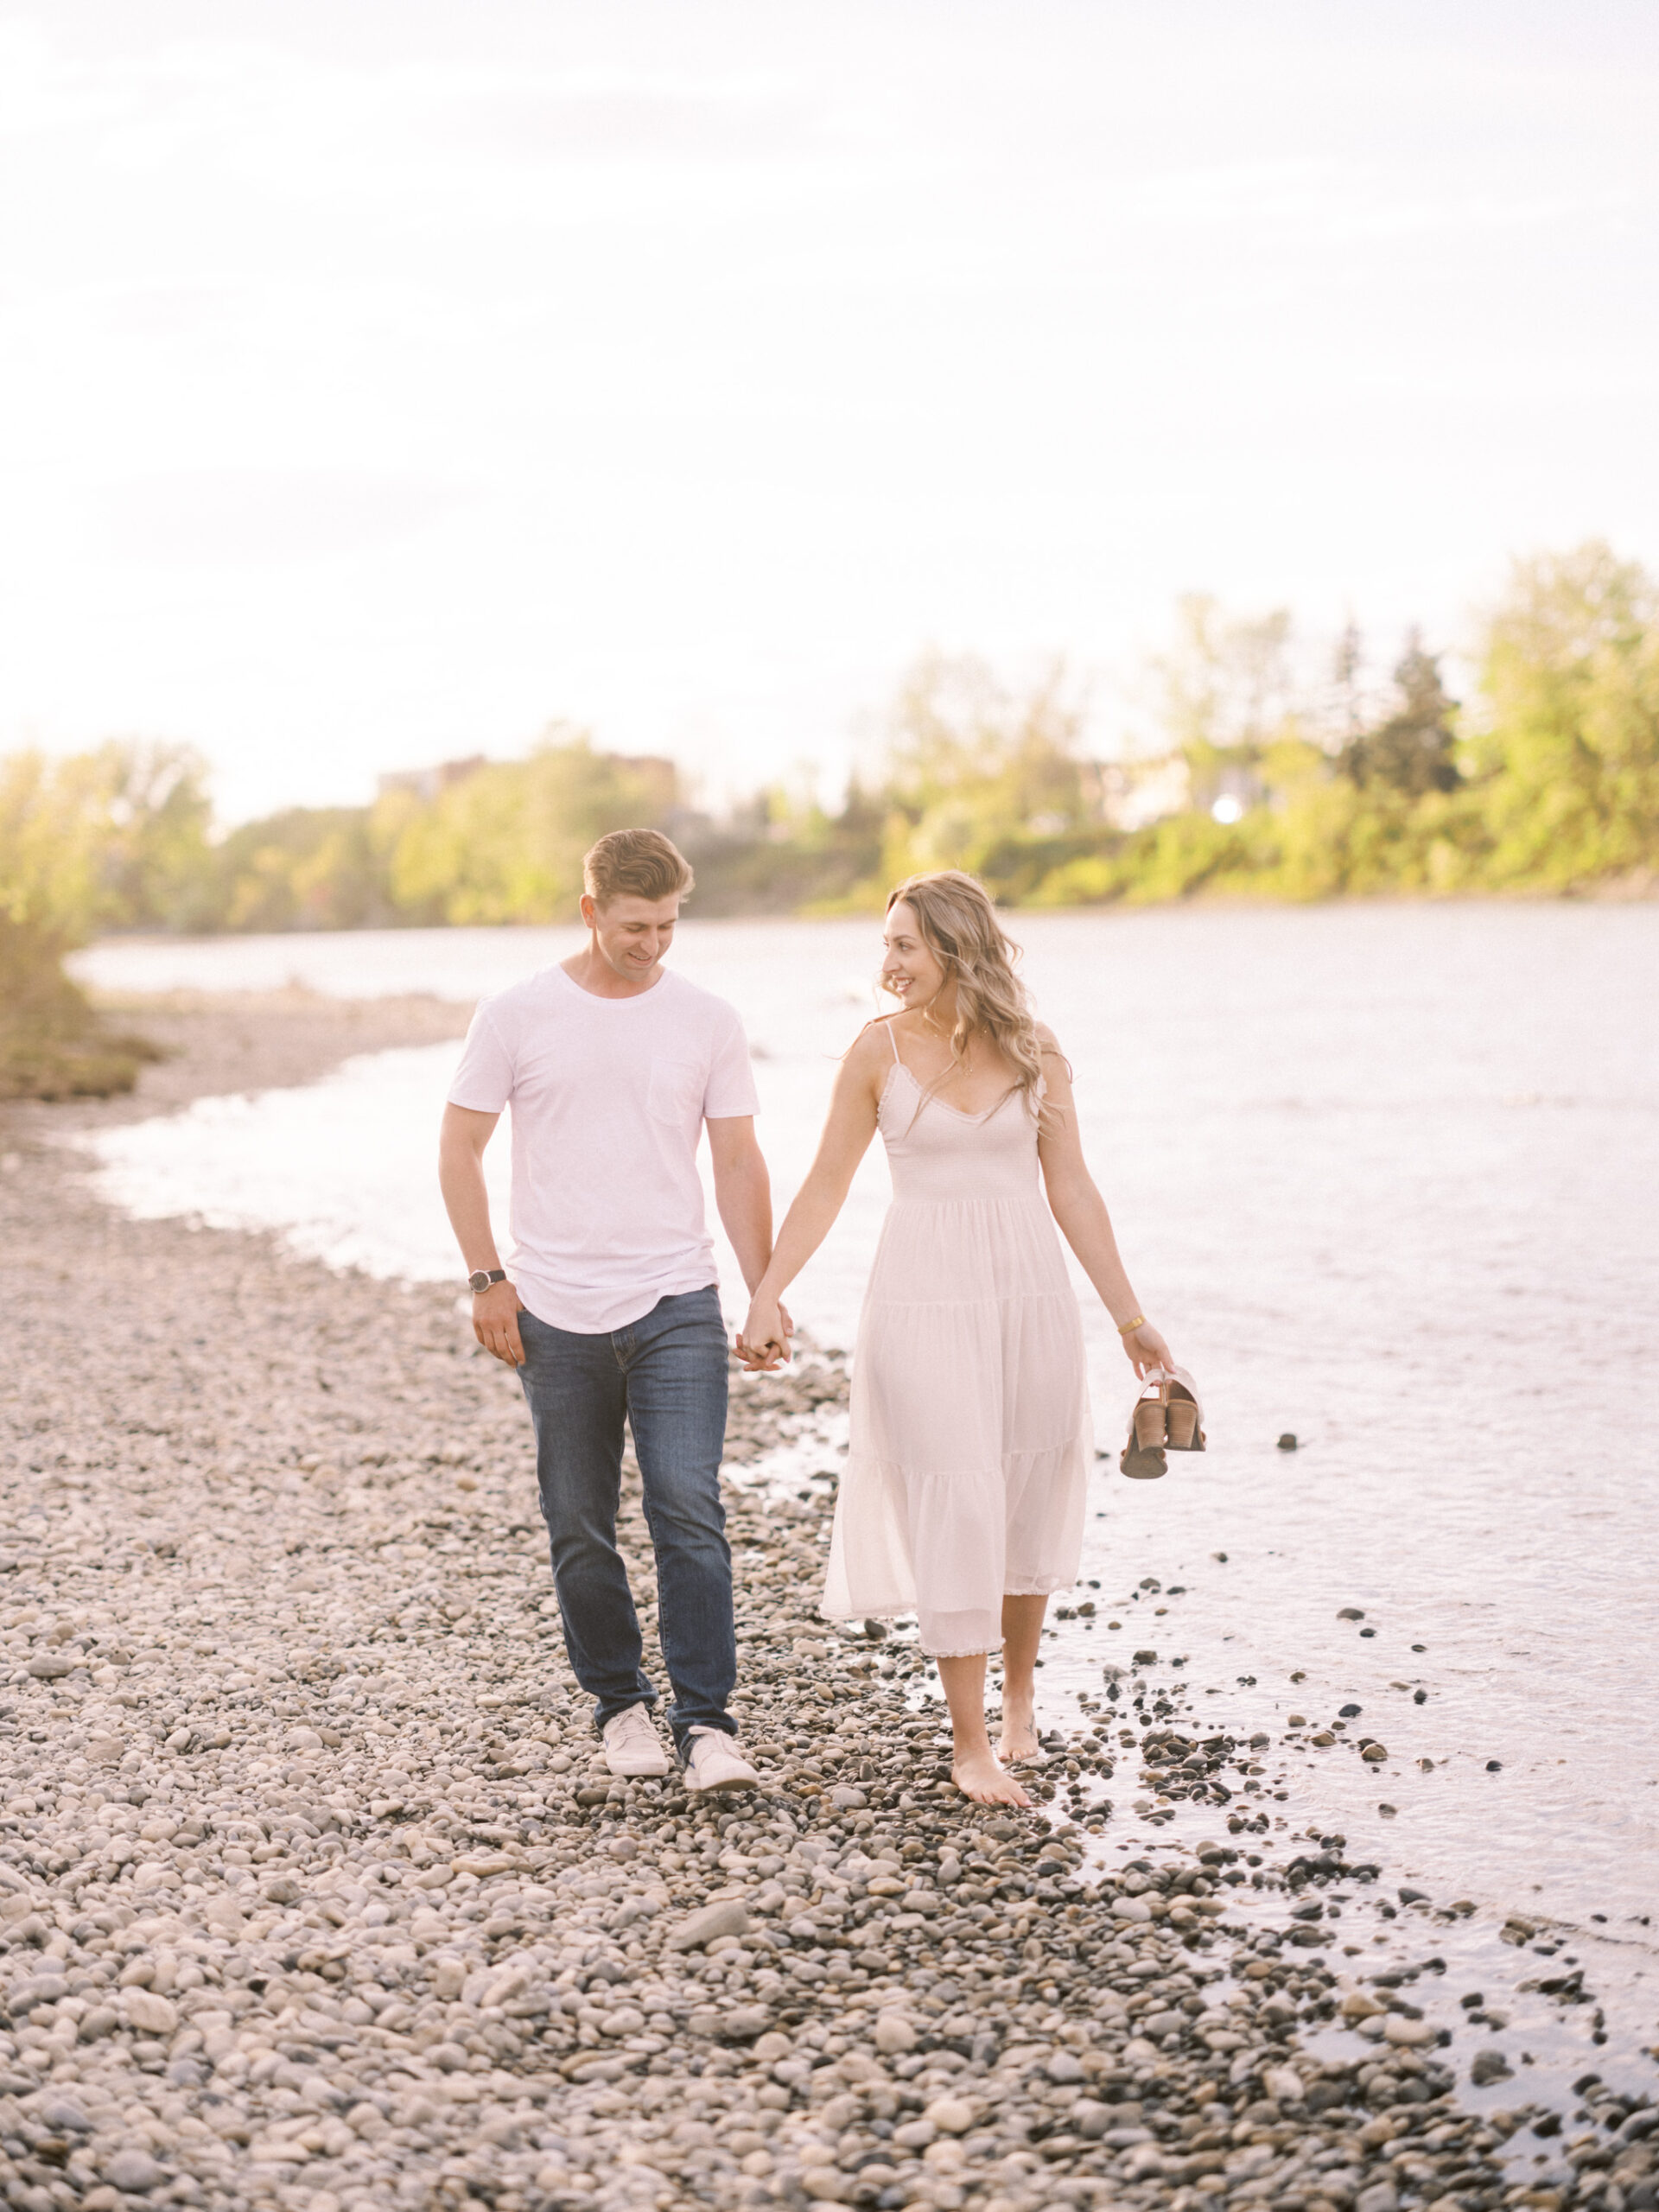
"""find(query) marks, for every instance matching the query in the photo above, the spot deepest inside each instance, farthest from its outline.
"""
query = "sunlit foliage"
(1259, 777)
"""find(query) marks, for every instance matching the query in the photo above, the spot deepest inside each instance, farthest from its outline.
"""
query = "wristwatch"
(481, 1277)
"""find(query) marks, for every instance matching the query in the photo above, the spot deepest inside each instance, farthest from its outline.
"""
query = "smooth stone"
(1064, 2067)
(1489, 2066)
(727, 1916)
(950, 2115)
(1396, 2029)
(894, 2035)
(153, 2015)
(135, 2172)
(63, 2115)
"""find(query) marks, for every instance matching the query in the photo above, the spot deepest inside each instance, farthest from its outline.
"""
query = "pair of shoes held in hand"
(1167, 1417)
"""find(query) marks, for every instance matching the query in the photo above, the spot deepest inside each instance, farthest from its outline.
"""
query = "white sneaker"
(632, 1747)
(713, 1762)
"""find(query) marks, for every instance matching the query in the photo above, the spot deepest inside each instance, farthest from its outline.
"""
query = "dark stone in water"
(1494, 1766)
(1288, 1441)
(1350, 1712)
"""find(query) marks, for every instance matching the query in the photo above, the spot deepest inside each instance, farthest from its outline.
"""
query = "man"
(613, 1067)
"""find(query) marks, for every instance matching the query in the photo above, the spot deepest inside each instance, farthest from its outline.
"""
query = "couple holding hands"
(962, 1497)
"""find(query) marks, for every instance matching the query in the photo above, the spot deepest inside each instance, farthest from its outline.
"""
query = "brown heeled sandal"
(1167, 1417)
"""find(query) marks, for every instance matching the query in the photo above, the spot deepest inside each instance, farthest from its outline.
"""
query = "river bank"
(316, 1895)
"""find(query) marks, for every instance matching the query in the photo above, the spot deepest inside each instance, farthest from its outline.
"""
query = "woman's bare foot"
(978, 1776)
(1018, 1739)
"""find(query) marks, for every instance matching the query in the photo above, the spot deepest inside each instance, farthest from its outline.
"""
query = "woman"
(962, 1499)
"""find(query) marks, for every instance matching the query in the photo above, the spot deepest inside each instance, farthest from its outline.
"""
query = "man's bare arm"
(742, 1192)
(466, 1200)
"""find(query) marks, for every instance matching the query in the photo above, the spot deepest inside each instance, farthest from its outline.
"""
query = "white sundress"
(971, 1446)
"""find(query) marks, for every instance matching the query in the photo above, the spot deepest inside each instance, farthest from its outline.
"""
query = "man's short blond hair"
(635, 864)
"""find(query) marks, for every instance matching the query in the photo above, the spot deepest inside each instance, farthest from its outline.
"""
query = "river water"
(1387, 1177)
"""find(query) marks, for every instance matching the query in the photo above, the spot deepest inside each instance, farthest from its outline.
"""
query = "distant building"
(1130, 794)
(427, 783)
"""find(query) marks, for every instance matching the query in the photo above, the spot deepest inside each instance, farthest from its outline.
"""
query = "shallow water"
(1387, 1177)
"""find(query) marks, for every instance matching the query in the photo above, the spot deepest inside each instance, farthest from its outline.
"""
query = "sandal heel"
(1149, 1425)
(1183, 1424)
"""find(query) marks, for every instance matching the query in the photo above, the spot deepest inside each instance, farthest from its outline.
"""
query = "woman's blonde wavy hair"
(959, 927)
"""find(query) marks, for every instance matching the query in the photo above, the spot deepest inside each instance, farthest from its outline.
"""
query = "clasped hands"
(763, 1340)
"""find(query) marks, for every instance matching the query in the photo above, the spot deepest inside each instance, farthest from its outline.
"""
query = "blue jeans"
(665, 1376)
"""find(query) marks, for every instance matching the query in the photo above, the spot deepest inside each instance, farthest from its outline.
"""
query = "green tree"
(115, 838)
(979, 777)
(1227, 688)
(112, 839)
(1414, 749)
(1568, 754)
(304, 868)
(505, 843)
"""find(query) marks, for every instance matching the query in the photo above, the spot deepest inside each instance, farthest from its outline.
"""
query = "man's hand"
(763, 1341)
(495, 1323)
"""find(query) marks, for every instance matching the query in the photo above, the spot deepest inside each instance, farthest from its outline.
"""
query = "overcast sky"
(380, 381)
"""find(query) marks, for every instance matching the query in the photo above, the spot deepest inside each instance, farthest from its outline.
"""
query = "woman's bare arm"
(848, 1129)
(1074, 1201)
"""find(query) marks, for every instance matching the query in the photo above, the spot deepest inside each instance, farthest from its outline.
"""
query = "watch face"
(480, 1281)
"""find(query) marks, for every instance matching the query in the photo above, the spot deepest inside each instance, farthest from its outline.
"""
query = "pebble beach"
(314, 1893)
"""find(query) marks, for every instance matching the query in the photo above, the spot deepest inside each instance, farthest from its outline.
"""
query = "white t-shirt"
(608, 1099)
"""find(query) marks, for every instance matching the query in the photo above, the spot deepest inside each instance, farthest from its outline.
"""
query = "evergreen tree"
(1414, 750)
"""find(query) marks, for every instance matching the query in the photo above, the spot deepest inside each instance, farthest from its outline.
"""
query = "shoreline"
(314, 1890)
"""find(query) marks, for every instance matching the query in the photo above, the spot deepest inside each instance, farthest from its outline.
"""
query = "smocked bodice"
(939, 1155)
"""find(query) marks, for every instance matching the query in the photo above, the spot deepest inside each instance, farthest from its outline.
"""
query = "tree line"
(1263, 774)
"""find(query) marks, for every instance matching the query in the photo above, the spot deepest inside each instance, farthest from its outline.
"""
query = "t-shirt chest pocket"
(675, 1090)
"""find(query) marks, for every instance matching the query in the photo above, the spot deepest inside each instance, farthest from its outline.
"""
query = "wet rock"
(1488, 2066)
(1288, 1440)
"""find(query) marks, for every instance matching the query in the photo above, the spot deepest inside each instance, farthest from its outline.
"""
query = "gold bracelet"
(1129, 1328)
